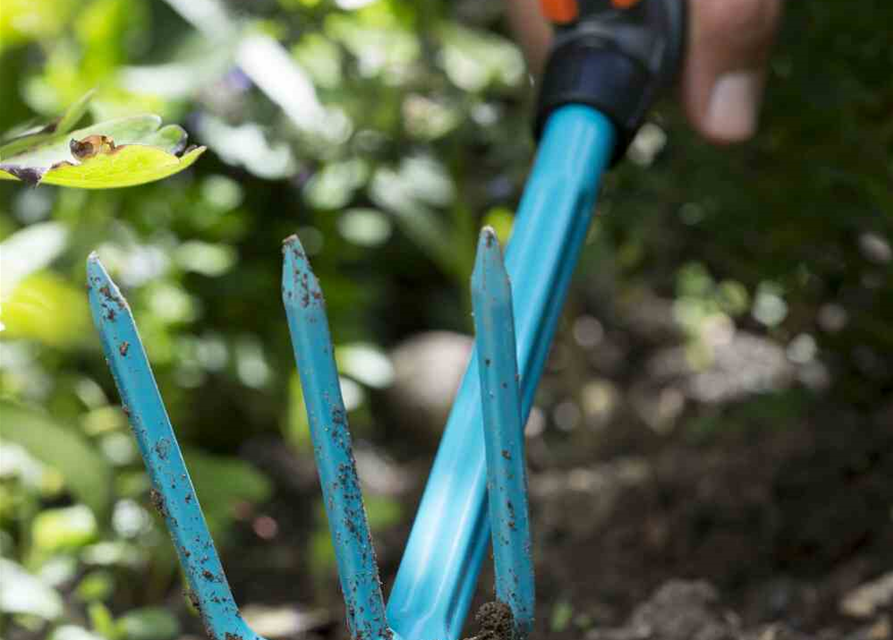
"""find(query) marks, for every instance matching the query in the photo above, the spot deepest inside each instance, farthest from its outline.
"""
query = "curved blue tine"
(503, 432)
(172, 491)
(314, 355)
(440, 566)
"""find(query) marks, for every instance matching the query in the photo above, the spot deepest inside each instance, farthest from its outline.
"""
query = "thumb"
(725, 68)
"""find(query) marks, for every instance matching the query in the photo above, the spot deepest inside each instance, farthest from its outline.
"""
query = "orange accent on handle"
(624, 4)
(560, 11)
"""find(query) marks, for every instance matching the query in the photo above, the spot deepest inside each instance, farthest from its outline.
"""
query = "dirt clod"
(495, 621)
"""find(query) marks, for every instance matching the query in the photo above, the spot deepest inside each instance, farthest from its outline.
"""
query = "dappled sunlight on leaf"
(128, 166)
(116, 153)
(246, 145)
(23, 593)
(244, 483)
(29, 250)
(71, 632)
(474, 60)
(365, 227)
(23, 20)
(205, 258)
(64, 529)
(85, 472)
(44, 155)
(333, 187)
(365, 363)
(429, 119)
(176, 79)
(45, 307)
(151, 623)
(385, 48)
(73, 115)
(321, 58)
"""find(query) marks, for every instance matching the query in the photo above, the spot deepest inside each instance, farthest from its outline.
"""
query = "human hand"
(724, 72)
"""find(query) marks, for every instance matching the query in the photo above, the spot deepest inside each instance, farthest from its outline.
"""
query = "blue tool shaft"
(440, 566)
(172, 493)
(314, 355)
(494, 326)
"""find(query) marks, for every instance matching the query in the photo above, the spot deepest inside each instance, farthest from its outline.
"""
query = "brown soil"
(749, 518)
(495, 621)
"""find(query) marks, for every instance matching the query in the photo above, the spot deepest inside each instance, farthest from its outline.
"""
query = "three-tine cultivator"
(609, 60)
(174, 496)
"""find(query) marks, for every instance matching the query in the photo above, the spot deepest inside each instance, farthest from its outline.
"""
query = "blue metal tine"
(172, 493)
(503, 432)
(438, 574)
(314, 355)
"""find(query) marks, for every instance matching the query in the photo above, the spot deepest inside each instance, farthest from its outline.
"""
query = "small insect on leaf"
(91, 146)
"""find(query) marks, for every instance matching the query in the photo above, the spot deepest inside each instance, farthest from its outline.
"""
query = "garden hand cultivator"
(174, 496)
(609, 60)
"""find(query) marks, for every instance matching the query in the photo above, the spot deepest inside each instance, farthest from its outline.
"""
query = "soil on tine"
(495, 621)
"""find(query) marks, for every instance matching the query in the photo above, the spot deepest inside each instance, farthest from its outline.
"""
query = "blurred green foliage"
(424, 135)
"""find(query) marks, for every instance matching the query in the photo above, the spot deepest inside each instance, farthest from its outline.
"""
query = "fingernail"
(732, 112)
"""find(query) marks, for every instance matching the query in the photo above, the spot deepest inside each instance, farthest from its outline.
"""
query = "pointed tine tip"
(291, 243)
(489, 249)
(293, 251)
(94, 264)
(299, 284)
(488, 240)
(106, 300)
(96, 273)
(489, 269)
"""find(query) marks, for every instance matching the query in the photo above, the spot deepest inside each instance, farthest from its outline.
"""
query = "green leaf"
(383, 512)
(103, 622)
(171, 138)
(87, 474)
(365, 363)
(141, 151)
(23, 593)
(244, 483)
(63, 529)
(47, 308)
(71, 632)
(131, 166)
(562, 614)
(130, 130)
(28, 139)
(74, 113)
(151, 623)
(28, 250)
(24, 20)
(32, 137)
(96, 586)
(474, 60)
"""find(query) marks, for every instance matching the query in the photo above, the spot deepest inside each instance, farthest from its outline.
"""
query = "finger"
(534, 34)
(725, 68)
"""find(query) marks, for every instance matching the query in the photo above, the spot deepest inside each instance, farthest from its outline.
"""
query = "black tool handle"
(614, 55)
